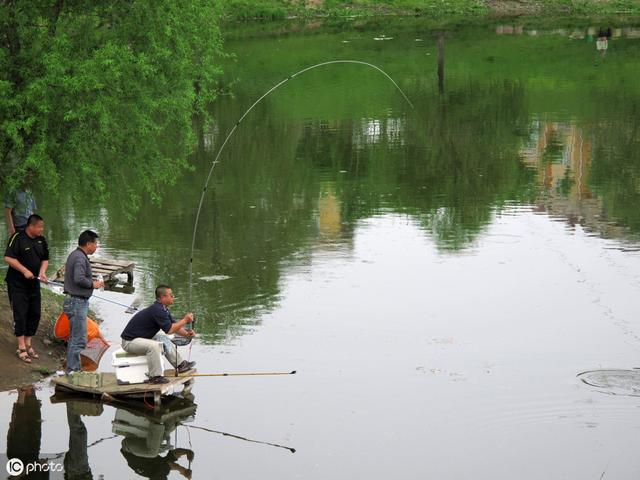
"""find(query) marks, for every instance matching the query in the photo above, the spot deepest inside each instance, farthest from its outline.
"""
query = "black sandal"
(23, 355)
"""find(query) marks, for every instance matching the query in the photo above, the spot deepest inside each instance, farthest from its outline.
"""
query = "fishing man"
(27, 254)
(78, 287)
(144, 335)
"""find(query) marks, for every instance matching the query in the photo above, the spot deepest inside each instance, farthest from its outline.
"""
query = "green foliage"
(99, 96)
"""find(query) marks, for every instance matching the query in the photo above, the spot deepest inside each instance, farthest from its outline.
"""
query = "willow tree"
(98, 98)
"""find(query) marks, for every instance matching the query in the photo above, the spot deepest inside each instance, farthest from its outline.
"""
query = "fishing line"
(215, 160)
(128, 307)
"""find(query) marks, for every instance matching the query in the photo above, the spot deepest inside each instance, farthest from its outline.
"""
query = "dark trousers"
(25, 303)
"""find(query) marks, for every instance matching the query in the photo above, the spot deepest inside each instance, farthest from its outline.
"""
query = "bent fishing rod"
(215, 160)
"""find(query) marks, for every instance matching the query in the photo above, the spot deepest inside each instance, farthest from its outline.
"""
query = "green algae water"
(438, 276)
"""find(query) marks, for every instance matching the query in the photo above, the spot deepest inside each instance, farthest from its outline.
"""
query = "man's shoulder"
(76, 254)
(16, 239)
(148, 310)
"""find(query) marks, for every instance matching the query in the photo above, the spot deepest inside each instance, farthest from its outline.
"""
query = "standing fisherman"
(78, 287)
(28, 257)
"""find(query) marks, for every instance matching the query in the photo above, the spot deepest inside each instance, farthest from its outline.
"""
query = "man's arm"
(10, 226)
(15, 264)
(42, 275)
(177, 326)
(80, 276)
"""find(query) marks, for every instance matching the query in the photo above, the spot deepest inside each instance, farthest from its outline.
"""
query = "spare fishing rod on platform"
(247, 374)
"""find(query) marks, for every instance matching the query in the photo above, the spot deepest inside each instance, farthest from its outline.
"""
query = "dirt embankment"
(14, 372)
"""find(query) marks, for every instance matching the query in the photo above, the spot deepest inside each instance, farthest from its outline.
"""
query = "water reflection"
(147, 445)
(76, 460)
(150, 444)
(25, 430)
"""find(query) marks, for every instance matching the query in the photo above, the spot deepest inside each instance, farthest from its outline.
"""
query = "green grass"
(240, 10)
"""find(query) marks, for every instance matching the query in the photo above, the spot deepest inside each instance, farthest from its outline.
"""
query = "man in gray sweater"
(78, 287)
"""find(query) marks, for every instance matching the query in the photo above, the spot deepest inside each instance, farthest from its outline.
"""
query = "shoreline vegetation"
(246, 10)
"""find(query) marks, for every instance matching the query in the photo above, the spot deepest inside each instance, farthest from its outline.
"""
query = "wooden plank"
(110, 385)
(118, 263)
(109, 269)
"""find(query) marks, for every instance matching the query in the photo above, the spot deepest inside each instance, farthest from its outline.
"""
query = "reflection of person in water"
(76, 460)
(145, 440)
(25, 429)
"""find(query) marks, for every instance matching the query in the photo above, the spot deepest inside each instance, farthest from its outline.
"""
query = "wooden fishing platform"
(111, 390)
(111, 271)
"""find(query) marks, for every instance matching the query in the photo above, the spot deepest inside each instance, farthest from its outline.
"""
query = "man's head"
(88, 241)
(164, 295)
(35, 226)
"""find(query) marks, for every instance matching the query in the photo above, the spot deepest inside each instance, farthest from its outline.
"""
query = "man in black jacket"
(27, 254)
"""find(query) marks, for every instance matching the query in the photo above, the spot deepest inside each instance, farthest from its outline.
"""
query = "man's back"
(147, 322)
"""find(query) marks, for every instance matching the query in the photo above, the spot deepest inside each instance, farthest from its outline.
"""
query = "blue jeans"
(76, 309)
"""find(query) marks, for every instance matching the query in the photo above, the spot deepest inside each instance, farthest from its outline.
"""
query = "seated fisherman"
(144, 335)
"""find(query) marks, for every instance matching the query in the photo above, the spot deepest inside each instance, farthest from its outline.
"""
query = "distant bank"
(235, 10)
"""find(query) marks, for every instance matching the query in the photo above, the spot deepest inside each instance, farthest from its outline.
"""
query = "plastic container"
(130, 368)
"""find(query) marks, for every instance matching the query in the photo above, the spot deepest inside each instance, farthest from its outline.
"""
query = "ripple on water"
(512, 411)
(613, 382)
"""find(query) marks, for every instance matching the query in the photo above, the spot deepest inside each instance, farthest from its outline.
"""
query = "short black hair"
(161, 290)
(87, 236)
(34, 218)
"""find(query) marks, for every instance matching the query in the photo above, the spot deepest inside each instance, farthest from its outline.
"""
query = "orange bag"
(61, 329)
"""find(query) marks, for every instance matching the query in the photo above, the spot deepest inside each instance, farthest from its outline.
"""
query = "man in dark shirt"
(143, 335)
(27, 254)
(78, 287)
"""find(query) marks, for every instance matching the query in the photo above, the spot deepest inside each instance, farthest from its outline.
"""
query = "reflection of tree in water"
(588, 174)
(615, 169)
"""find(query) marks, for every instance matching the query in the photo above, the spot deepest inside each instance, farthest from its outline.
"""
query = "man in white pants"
(144, 335)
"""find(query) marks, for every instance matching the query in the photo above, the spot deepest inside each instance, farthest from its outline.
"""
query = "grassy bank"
(236, 10)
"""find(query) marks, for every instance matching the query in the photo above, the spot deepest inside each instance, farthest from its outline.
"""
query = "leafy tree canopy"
(100, 96)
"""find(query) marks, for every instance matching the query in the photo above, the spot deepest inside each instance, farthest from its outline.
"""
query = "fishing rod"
(215, 160)
(293, 372)
(130, 308)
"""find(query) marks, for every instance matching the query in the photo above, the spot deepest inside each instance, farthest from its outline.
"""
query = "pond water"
(438, 276)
